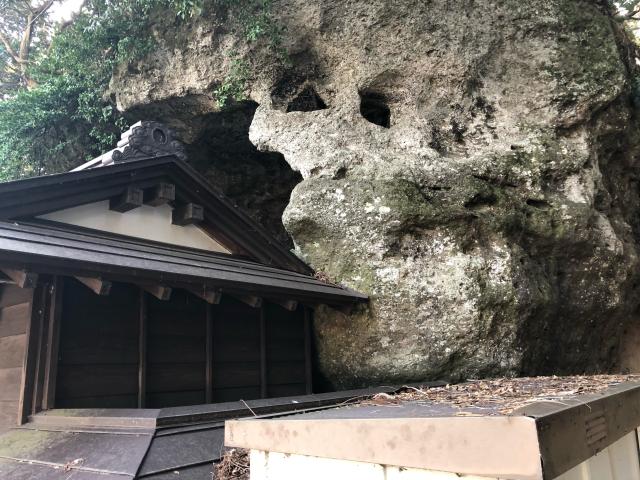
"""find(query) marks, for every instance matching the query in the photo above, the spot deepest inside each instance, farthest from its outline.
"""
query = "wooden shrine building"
(131, 282)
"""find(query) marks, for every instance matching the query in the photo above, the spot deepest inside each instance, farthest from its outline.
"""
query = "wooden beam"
(53, 332)
(187, 214)
(209, 353)
(252, 301)
(161, 292)
(22, 278)
(209, 295)
(97, 285)
(308, 375)
(264, 390)
(142, 350)
(160, 194)
(131, 198)
(290, 305)
(5, 280)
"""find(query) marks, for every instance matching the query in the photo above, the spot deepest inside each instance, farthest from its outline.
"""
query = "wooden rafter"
(161, 292)
(161, 194)
(97, 285)
(290, 305)
(130, 199)
(251, 300)
(187, 214)
(22, 278)
(209, 295)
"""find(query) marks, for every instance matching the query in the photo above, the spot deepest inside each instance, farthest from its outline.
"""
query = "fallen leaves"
(504, 395)
(233, 465)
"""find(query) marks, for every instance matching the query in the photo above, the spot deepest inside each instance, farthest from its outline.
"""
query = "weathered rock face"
(471, 165)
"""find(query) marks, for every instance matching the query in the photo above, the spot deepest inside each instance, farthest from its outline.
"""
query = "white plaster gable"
(145, 222)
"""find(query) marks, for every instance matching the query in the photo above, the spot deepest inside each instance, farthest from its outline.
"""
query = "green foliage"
(255, 24)
(66, 111)
(65, 116)
(234, 85)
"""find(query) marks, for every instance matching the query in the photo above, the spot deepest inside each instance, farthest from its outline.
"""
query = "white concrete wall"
(620, 461)
(282, 466)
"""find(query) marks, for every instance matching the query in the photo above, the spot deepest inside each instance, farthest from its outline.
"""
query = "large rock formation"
(471, 165)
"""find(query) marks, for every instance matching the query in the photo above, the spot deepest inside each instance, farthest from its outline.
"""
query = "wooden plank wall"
(176, 350)
(236, 351)
(15, 312)
(286, 373)
(98, 351)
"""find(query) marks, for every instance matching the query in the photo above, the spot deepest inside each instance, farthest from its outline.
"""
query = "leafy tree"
(628, 10)
(55, 115)
(24, 25)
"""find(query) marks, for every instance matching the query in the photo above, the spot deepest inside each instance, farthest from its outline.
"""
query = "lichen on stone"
(490, 212)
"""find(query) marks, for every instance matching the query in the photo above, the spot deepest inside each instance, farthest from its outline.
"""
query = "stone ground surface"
(470, 165)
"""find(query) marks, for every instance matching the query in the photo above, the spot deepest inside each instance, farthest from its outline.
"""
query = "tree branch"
(12, 53)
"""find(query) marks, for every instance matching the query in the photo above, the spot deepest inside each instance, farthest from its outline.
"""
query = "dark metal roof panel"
(182, 449)
(197, 472)
(14, 470)
(30, 244)
(117, 454)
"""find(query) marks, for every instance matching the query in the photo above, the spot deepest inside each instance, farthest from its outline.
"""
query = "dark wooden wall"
(176, 350)
(98, 350)
(191, 352)
(15, 313)
(285, 344)
(236, 351)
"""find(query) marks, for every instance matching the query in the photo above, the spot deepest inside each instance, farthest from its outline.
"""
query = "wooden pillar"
(307, 350)
(264, 391)
(29, 366)
(209, 367)
(44, 308)
(142, 350)
(53, 342)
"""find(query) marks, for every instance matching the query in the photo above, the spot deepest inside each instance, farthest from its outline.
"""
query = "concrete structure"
(570, 437)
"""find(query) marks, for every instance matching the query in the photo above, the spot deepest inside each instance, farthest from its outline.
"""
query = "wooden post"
(27, 384)
(142, 351)
(53, 341)
(307, 350)
(209, 367)
(44, 302)
(264, 391)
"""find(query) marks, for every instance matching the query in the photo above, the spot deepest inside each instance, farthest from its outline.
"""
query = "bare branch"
(43, 8)
(9, 48)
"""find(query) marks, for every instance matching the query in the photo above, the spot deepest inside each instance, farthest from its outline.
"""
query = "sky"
(63, 10)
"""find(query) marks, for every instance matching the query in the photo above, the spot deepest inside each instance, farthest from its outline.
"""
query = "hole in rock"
(260, 183)
(480, 200)
(307, 100)
(541, 204)
(340, 173)
(374, 108)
